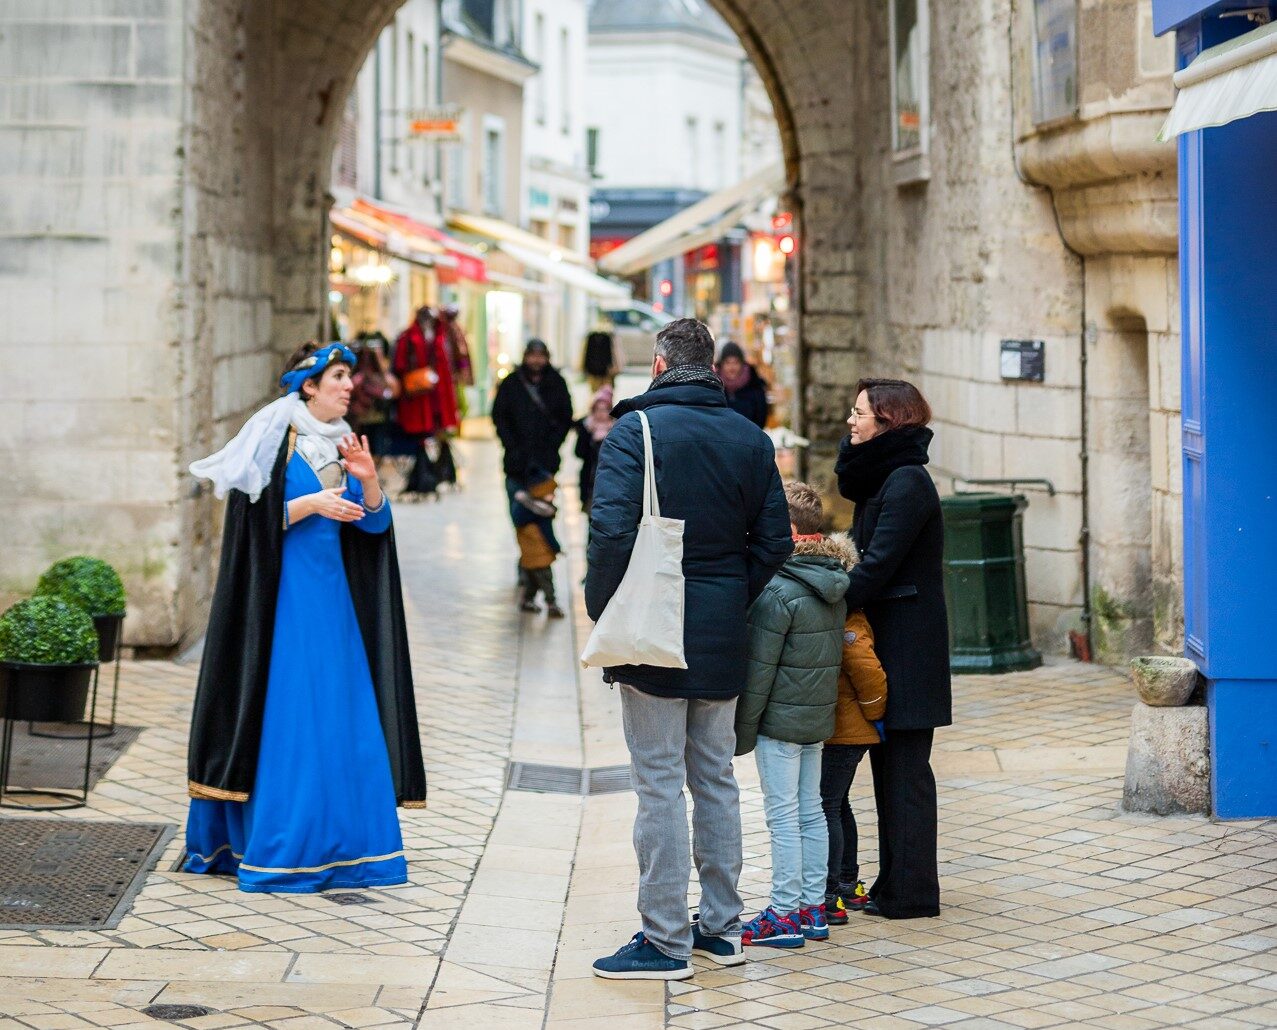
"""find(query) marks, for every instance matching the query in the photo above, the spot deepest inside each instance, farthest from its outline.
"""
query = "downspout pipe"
(1086, 339)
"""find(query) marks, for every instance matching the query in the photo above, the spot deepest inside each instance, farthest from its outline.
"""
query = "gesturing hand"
(332, 505)
(356, 457)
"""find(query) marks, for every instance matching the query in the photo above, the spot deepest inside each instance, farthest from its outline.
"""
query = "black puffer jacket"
(899, 531)
(532, 421)
(718, 473)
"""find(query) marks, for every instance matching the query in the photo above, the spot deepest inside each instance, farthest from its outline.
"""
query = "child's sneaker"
(812, 922)
(769, 929)
(835, 912)
(854, 897)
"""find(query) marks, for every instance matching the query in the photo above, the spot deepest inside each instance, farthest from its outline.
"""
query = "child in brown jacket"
(862, 703)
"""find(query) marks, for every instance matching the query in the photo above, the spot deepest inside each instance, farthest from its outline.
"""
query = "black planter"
(44, 693)
(108, 627)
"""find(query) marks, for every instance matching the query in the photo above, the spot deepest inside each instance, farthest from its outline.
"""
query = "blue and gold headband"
(315, 366)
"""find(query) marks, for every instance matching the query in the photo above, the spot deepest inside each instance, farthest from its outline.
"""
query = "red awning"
(467, 262)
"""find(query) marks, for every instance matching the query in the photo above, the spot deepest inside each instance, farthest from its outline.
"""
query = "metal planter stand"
(110, 633)
(69, 798)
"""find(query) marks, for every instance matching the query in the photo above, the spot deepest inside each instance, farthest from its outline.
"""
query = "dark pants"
(908, 884)
(837, 770)
(537, 580)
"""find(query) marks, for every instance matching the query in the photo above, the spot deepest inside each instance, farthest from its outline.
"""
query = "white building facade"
(555, 200)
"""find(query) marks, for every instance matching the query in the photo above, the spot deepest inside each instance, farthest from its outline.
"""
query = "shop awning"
(407, 238)
(498, 231)
(705, 221)
(565, 272)
(1233, 80)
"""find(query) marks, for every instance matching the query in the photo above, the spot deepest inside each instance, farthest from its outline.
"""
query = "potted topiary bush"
(48, 651)
(96, 587)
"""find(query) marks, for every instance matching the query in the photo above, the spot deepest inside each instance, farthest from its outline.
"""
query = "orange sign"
(435, 127)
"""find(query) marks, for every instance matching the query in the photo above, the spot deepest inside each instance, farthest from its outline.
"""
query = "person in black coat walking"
(532, 413)
(899, 531)
(746, 391)
(718, 474)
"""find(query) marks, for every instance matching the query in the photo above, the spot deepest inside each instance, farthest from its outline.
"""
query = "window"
(396, 119)
(493, 162)
(694, 151)
(457, 174)
(592, 150)
(565, 82)
(909, 77)
(538, 55)
(720, 155)
(1054, 60)
(411, 96)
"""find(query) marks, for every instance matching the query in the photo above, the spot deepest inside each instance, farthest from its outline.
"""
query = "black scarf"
(863, 468)
(687, 375)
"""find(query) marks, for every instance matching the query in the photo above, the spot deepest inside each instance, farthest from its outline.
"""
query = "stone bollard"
(1168, 761)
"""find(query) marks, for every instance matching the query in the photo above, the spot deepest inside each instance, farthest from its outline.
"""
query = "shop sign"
(438, 124)
(1024, 360)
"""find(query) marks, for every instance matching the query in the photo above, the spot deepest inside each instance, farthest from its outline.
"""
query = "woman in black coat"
(746, 391)
(899, 532)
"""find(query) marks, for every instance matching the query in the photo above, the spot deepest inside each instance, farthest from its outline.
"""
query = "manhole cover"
(610, 779)
(64, 875)
(350, 898)
(174, 1012)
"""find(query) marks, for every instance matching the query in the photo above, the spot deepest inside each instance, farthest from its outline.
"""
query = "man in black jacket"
(532, 413)
(717, 472)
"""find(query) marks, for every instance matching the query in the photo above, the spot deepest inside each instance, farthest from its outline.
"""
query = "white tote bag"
(643, 623)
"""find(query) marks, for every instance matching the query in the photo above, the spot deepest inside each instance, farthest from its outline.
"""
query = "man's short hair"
(685, 341)
(806, 511)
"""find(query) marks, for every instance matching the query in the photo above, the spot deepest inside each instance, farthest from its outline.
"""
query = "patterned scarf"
(687, 375)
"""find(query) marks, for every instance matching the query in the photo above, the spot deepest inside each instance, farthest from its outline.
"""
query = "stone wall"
(91, 136)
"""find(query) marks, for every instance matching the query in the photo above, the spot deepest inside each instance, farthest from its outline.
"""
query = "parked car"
(634, 326)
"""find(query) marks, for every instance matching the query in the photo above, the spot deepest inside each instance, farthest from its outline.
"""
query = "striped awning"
(1234, 80)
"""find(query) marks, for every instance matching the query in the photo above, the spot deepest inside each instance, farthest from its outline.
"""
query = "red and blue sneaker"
(811, 921)
(769, 929)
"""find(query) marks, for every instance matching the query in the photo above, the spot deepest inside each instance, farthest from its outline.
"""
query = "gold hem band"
(413, 804)
(323, 868)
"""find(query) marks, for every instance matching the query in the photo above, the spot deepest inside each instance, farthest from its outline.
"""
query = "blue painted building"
(1227, 138)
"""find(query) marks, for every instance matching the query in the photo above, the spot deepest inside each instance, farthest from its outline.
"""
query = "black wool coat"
(718, 473)
(532, 421)
(899, 582)
(751, 399)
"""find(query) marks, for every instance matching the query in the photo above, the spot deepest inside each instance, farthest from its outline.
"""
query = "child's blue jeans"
(790, 777)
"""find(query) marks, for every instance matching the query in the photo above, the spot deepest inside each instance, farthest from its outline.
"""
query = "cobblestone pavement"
(1059, 910)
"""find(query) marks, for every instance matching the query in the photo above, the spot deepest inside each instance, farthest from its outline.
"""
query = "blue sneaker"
(812, 922)
(769, 929)
(726, 951)
(640, 960)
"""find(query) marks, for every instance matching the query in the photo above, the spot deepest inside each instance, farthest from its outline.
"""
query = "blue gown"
(321, 814)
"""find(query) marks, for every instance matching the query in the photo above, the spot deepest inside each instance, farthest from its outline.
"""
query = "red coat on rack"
(435, 410)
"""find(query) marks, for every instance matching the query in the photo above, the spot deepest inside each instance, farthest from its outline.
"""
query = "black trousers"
(837, 771)
(908, 884)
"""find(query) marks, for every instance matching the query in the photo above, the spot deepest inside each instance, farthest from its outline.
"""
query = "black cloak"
(226, 725)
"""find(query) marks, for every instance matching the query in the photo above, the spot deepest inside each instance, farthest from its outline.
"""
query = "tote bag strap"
(651, 502)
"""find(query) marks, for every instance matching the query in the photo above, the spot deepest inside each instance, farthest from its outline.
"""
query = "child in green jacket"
(786, 713)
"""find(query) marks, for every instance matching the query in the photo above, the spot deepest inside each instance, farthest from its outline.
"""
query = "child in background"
(591, 431)
(532, 511)
(786, 713)
(862, 703)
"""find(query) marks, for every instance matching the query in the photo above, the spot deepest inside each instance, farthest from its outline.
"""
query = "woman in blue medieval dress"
(304, 733)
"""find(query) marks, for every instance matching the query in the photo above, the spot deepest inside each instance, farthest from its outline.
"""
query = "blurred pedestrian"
(427, 406)
(746, 391)
(599, 359)
(591, 431)
(532, 413)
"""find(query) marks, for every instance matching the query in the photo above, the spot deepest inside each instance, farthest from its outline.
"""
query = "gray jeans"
(673, 741)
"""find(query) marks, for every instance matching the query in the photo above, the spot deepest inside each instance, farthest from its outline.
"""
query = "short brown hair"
(895, 403)
(806, 511)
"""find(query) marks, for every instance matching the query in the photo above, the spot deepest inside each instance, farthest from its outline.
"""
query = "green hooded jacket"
(795, 648)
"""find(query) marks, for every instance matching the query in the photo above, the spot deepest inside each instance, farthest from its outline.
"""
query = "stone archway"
(176, 168)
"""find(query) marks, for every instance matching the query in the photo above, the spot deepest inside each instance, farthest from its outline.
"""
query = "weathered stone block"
(1163, 681)
(1168, 762)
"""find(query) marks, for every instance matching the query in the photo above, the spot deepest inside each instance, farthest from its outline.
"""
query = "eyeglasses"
(857, 414)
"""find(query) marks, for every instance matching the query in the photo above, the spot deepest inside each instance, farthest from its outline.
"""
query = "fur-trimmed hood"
(840, 548)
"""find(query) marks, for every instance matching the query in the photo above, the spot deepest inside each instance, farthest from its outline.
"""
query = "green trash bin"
(984, 584)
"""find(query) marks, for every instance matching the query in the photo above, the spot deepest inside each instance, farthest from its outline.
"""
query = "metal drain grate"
(61, 875)
(562, 779)
(610, 779)
(59, 762)
(172, 1013)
